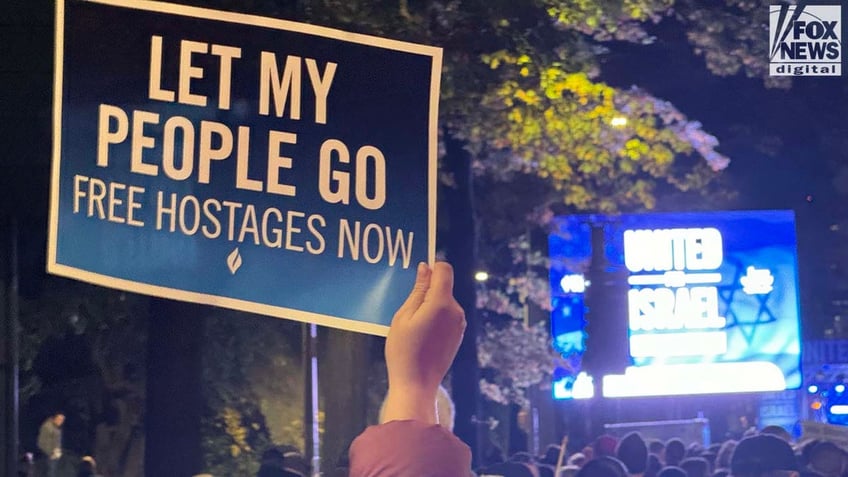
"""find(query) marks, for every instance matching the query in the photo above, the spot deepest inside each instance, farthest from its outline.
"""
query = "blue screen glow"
(712, 301)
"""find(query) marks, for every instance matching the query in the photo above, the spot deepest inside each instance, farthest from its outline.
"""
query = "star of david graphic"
(747, 326)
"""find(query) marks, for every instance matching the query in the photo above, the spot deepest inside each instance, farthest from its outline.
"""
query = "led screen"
(711, 301)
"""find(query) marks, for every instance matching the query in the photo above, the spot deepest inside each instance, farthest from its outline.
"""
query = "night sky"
(728, 105)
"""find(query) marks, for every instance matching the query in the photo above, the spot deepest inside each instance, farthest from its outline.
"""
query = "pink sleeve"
(409, 448)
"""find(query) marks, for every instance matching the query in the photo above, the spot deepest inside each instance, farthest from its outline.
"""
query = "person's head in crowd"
(694, 450)
(633, 453)
(277, 454)
(672, 471)
(710, 457)
(578, 459)
(283, 461)
(810, 473)
(527, 460)
(266, 471)
(445, 409)
(763, 456)
(827, 459)
(271, 469)
(25, 463)
(657, 447)
(604, 445)
(512, 469)
(551, 456)
(695, 467)
(271, 464)
(725, 452)
(805, 449)
(340, 472)
(545, 470)
(568, 471)
(523, 457)
(87, 467)
(777, 431)
(58, 418)
(342, 467)
(604, 466)
(654, 466)
(675, 451)
(296, 465)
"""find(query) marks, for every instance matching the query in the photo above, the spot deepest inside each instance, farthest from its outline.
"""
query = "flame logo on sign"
(234, 261)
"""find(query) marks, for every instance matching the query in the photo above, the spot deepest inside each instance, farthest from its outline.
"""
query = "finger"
(441, 283)
(419, 291)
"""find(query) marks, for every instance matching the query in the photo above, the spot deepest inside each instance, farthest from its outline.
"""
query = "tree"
(252, 387)
(521, 97)
(83, 349)
(522, 101)
(523, 104)
(522, 357)
(730, 37)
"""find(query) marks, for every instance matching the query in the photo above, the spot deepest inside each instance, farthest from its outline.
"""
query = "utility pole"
(460, 242)
(311, 441)
(607, 343)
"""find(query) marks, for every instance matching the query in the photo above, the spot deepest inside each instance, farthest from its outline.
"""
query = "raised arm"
(423, 340)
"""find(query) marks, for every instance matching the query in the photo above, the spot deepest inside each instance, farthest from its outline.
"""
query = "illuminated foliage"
(523, 357)
(252, 383)
(604, 20)
(518, 356)
(234, 428)
(731, 36)
(106, 399)
(604, 149)
(522, 88)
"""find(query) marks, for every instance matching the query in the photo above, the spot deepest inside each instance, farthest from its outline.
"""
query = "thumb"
(419, 291)
(441, 284)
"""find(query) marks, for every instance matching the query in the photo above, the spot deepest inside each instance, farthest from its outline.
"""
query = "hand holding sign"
(423, 340)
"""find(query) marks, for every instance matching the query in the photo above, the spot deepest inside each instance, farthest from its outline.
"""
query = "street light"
(481, 276)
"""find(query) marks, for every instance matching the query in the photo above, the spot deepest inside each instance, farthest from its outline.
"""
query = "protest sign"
(241, 161)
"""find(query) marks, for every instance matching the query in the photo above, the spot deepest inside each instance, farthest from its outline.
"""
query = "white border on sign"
(202, 298)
